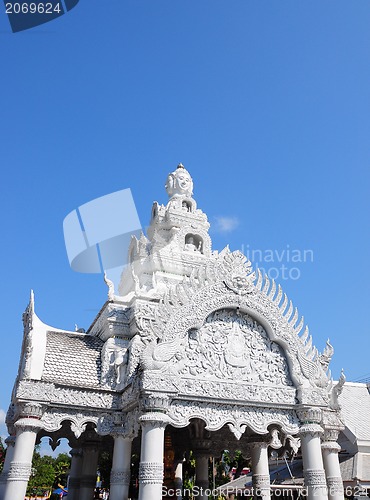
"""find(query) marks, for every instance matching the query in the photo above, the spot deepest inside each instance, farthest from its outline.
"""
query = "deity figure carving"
(119, 362)
(229, 346)
(190, 244)
(179, 183)
(185, 206)
(114, 357)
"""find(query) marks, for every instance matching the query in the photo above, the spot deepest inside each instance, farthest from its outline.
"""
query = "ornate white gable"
(193, 332)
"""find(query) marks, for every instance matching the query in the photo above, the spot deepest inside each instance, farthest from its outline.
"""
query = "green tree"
(42, 475)
(62, 465)
(48, 472)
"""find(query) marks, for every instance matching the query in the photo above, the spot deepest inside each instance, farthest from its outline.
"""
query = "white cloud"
(224, 224)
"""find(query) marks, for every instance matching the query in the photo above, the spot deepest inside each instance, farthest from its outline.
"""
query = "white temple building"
(195, 348)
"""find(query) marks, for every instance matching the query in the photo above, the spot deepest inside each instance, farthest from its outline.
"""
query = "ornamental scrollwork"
(19, 471)
(229, 346)
(237, 418)
(150, 473)
(29, 424)
(105, 424)
(50, 393)
(335, 485)
(315, 478)
(52, 420)
(120, 477)
(218, 389)
(187, 305)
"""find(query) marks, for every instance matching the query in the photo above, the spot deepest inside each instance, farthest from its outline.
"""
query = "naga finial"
(337, 390)
(326, 356)
(110, 286)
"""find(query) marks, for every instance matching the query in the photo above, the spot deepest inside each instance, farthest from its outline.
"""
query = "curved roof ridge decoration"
(34, 342)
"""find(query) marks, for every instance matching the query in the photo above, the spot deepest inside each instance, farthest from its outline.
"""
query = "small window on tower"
(193, 243)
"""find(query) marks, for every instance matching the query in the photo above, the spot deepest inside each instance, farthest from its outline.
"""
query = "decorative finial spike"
(180, 165)
(110, 286)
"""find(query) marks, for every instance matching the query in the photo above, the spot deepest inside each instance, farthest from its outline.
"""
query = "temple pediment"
(196, 344)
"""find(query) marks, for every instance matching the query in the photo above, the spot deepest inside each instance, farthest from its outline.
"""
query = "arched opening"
(193, 243)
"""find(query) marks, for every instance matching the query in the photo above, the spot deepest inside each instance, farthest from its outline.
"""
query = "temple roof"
(72, 359)
(355, 403)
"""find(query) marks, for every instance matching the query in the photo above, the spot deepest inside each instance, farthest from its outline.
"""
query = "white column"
(121, 466)
(21, 463)
(314, 474)
(330, 449)
(151, 458)
(90, 454)
(260, 469)
(178, 477)
(75, 474)
(10, 442)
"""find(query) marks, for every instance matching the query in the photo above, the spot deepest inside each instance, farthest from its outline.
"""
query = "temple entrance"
(195, 354)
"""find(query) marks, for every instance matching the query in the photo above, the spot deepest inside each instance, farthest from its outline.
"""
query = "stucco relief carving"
(229, 346)
(232, 346)
(27, 345)
(145, 316)
(187, 305)
(315, 478)
(331, 421)
(217, 389)
(114, 357)
(52, 420)
(337, 391)
(131, 423)
(105, 424)
(47, 392)
(335, 485)
(114, 320)
(237, 418)
(123, 424)
(120, 477)
(19, 471)
(28, 424)
(150, 473)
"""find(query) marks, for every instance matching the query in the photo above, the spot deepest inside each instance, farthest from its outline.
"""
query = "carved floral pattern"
(52, 420)
(19, 471)
(43, 391)
(151, 473)
(335, 485)
(120, 477)
(219, 389)
(232, 346)
(315, 478)
(238, 418)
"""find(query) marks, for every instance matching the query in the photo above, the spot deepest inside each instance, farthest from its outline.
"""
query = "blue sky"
(267, 103)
